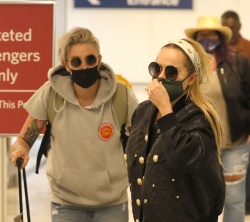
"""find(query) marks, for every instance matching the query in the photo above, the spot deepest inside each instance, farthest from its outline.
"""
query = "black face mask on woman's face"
(85, 77)
(174, 88)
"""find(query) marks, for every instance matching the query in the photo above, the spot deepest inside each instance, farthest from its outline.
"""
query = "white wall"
(131, 38)
(59, 25)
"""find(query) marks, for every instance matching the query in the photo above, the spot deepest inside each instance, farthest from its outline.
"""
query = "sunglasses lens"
(76, 62)
(90, 60)
(154, 69)
(171, 73)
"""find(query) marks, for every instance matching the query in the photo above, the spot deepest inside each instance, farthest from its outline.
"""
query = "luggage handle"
(19, 163)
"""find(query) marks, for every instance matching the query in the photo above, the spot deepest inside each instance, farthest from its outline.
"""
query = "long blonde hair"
(195, 94)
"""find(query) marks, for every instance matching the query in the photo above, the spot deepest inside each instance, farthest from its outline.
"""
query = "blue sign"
(162, 4)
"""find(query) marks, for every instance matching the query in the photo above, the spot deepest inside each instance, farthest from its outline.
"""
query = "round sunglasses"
(155, 69)
(76, 62)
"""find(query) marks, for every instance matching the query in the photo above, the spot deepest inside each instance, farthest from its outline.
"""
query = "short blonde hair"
(77, 35)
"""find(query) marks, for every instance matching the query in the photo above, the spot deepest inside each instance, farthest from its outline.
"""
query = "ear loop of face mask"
(76, 62)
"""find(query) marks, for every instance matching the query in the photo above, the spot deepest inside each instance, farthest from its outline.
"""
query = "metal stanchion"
(3, 181)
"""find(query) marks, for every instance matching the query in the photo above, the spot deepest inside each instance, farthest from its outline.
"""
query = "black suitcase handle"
(19, 163)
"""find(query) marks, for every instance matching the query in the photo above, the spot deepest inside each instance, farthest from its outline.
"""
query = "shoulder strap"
(53, 96)
(51, 113)
(120, 103)
(123, 80)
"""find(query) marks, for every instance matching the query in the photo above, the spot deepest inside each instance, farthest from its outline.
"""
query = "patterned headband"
(192, 54)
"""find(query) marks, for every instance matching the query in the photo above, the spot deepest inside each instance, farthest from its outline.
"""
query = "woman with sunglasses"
(172, 154)
(85, 164)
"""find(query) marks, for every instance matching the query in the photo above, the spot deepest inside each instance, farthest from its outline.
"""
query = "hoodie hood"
(60, 80)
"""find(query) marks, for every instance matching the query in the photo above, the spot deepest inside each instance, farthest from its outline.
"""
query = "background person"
(85, 165)
(228, 86)
(173, 150)
(237, 43)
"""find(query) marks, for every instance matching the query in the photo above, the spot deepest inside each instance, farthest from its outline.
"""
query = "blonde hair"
(195, 94)
(75, 36)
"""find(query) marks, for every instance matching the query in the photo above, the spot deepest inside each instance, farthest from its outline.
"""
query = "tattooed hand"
(28, 135)
(20, 149)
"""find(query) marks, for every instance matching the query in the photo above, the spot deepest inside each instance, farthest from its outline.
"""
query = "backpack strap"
(45, 144)
(120, 103)
(121, 79)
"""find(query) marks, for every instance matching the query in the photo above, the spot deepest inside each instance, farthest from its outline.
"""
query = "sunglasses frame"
(160, 70)
(86, 59)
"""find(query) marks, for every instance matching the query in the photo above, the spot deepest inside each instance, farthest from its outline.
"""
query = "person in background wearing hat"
(173, 159)
(237, 42)
(228, 88)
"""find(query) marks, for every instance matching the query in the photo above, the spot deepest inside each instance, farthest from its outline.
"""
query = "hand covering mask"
(174, 88)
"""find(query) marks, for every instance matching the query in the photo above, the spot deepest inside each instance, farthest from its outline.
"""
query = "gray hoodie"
(85, 164)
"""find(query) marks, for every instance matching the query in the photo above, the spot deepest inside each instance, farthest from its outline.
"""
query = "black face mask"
(85, 77)
(174, 88)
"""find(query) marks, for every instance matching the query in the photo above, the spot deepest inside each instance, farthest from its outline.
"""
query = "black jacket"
(235, 84)
(180, 180)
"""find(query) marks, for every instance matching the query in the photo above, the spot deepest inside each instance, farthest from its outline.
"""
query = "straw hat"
(209, 23)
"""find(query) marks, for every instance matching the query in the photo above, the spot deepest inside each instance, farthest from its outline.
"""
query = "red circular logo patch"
(106, 131)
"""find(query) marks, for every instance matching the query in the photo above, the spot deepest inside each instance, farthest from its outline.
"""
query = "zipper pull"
(222, 71)
(223, 76)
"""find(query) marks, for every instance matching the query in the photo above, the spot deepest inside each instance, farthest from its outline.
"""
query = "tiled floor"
(39, 194)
